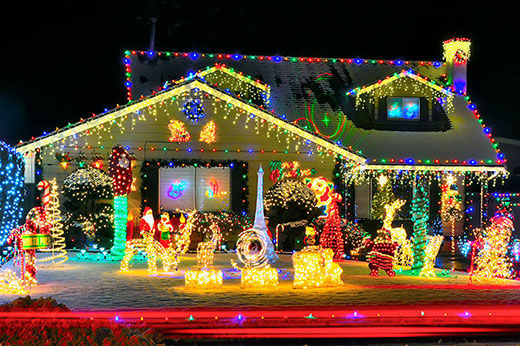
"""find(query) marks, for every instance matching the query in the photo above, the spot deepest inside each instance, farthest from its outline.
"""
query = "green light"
(120, 220)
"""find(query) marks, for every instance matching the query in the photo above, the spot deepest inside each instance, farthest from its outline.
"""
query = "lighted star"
(382, 180)
(326, 120)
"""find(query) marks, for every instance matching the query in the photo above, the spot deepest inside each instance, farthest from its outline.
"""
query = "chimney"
(152, 34)
(456, 56)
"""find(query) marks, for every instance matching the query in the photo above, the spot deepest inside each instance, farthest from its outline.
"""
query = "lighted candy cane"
(46, 187)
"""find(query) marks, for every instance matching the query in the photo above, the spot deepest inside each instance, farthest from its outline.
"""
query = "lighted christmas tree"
(451, 205)
(383, 196)
(332, 236)
(493, 261)
(420, 207)
(208, 133)
(59, 254)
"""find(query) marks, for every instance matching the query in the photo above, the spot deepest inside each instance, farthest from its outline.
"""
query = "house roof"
(194, 81)
(300, 86)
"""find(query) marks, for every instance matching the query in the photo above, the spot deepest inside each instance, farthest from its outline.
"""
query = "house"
(206, 122)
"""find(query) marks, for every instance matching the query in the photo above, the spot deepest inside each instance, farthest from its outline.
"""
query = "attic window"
(403, 108)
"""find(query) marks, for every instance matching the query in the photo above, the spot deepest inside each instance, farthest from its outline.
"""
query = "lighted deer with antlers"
(404, 252)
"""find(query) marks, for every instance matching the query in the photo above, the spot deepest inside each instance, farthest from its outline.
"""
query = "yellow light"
(314, 268)
(205, 275)
(10, 283)
(203, 278)
(457, 50)
(259, 277)
(431, 251)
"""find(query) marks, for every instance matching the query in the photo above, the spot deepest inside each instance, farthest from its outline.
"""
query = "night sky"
(60, 62)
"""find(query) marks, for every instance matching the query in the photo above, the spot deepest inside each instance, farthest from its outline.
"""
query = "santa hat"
(147, 211)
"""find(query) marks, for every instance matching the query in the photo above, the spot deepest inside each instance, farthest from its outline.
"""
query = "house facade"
(200, 126)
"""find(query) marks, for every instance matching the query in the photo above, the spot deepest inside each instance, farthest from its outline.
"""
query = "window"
(201, 188)
(407, 108)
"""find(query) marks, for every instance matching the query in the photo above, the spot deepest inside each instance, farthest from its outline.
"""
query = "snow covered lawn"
(94, 285)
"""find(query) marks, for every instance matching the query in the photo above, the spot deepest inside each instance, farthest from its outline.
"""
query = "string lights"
(492, 261)
(205, 275)
(314, 268)
(178, 132)
(208, 133)
(420, 208)
(120, 171)
(11, 185)
(59, 254)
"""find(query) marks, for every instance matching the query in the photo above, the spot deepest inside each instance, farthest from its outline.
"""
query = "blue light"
(151, 53)
(358, 61)
(244, 213)
(410, 161)
(250, 151)
(127, 61)
(170, 164)
(472, 106)
(437, 64)
(127, 147)
(237, 56)
(189, 150)
(194, 56)
(470, 210)
(277, 58)
(117, 318)
(231, 165)
(486, 130)
(399, 62)
(472, 162)
(500, 156)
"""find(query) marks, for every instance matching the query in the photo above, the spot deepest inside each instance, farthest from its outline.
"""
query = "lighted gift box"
(314, 267)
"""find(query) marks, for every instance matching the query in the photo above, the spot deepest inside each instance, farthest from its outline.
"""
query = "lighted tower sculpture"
(259, 224)
(456, 55)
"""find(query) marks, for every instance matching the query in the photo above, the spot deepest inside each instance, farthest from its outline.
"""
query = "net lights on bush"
(492, 261)
(10, 283)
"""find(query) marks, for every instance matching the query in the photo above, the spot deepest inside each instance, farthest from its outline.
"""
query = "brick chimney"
(456, 56)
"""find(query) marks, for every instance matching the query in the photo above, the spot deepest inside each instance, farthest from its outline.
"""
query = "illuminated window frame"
(402, 100)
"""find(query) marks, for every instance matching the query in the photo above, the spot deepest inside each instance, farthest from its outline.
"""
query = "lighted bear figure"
(381, 253)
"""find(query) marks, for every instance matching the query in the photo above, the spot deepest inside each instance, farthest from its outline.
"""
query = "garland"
(239, 180)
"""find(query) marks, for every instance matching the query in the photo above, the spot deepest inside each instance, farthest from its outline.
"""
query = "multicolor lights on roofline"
(404, 73)
(275, 59)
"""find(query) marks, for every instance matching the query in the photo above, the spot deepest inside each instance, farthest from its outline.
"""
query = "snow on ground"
(87, 285)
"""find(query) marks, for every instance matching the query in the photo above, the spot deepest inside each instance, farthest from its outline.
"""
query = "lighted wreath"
(193, 110)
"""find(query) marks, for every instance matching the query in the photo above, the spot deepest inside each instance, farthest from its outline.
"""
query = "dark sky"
(63, 61)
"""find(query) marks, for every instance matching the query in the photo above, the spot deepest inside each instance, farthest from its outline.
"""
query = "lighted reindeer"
(404, 251)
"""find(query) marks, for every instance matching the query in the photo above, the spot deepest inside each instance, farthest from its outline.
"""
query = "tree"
(383, 196)
(289, 201)
(420, 207)
(90, 215)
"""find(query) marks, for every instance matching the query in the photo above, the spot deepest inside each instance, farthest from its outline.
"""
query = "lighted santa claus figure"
(147, 223)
